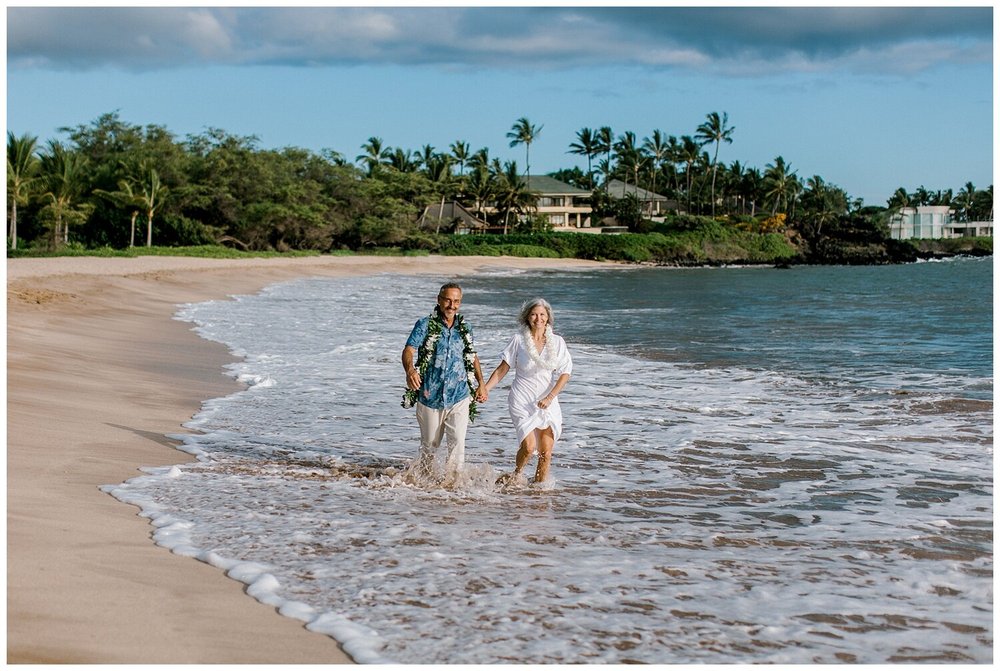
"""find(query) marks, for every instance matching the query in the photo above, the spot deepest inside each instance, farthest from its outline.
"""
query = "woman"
(542, 367)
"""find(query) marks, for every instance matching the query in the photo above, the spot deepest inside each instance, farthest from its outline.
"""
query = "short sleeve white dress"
(534, 374)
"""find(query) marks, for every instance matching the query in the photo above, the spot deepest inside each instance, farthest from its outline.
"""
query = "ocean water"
(757, 466)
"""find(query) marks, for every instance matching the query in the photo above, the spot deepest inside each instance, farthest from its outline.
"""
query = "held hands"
(482, 395)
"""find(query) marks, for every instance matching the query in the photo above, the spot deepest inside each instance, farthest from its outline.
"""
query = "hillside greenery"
(115, 188)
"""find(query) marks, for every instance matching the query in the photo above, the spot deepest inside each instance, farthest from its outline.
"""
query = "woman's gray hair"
(531, 305)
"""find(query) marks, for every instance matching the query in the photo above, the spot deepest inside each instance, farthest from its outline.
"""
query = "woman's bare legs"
(545, 440)
(524, 453)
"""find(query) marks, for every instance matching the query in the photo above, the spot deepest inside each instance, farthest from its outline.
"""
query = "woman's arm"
(556, 388)
(483, 393)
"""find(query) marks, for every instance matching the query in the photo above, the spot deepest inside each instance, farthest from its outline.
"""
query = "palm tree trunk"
(131, 239)
(149, 231)
(13, 224)
(440, 214)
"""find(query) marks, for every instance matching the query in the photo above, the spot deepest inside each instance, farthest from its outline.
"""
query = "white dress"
(534, 375)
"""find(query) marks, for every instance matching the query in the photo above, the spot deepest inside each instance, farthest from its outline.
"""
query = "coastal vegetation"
(112, 186)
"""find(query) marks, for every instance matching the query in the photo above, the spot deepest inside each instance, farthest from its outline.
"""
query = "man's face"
(450, 300)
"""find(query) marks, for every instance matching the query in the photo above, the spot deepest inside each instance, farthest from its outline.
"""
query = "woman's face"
(538, 318)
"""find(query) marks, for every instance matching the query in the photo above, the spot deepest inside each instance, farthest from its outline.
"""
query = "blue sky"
(870, 99)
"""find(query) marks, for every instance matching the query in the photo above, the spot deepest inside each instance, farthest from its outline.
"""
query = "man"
(440, 363)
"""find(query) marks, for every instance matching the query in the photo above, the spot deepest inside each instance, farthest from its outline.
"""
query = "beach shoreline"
(98, 374)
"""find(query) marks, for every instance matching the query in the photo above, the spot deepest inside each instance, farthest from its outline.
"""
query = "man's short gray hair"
(450, 285)
(531, 305)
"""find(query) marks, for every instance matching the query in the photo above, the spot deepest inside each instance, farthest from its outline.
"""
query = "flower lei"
(551, 360)
(425, 353)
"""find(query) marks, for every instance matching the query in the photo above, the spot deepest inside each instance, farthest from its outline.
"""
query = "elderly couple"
(444, 382)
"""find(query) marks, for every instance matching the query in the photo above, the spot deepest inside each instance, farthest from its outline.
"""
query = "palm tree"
(965, 200)
(460, 152)
(627, 157)
(153, 193)
(689, 154)
(733, 178)
(512, 193)
(752, 188)
(481, 186)
(605, 143)
(780, 183)
(899, 199)
(586, 145)
(480, 159)
(22, 168)
(374, 154)
(715, 130)
(658, 151)
(524, 132)
(426, 155)
(127, 197)
(630, 160)
(62, 175)
(402, 160)
(438, 169)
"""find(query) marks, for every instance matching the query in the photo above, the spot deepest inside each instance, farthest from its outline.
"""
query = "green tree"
(690, 153)
(982, 207)
(628, 158)
(438, 170)
(899, 199)
(426, 154)
(480, 159)
(62, 174)
(780, 184)
(715, 129)
(481, 187)
(129, 199)
(22, 172)
(732, 180)
(374, 154)
(460, 152)
(605, 143)
(403, 160)
(524, 132)
(152, 193)
(512, 193)
(657, 148)
(586, 145)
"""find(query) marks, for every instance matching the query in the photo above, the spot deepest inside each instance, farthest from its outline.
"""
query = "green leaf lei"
(435, 323)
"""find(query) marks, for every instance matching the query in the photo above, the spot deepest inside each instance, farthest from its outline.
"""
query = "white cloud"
(721, 40)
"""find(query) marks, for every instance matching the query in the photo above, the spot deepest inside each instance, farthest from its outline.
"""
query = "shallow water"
(757, 466)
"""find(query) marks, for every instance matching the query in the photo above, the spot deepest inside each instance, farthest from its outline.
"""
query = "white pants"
(450, 424)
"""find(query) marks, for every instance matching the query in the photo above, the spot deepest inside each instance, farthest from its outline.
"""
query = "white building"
(934, 221)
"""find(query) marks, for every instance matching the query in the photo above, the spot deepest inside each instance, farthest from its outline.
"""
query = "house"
(923, 221)
(653, 204)
(561, 203)
(934, 221)
(451, 217)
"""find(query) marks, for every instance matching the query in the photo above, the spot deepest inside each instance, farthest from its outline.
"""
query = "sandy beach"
(98, 373)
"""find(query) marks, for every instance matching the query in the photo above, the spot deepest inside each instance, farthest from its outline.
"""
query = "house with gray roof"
(653, 204)
(564, 205)
(451, 218)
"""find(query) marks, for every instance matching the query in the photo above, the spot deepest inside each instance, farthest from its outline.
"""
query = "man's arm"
(412, 374)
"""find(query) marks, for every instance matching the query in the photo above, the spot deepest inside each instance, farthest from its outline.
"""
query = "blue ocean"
(758, 465)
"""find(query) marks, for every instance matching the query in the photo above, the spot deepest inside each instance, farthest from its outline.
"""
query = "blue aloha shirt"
(447, 381)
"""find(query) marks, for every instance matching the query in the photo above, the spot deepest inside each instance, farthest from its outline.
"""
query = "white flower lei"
(548, 358)
(427, 350)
